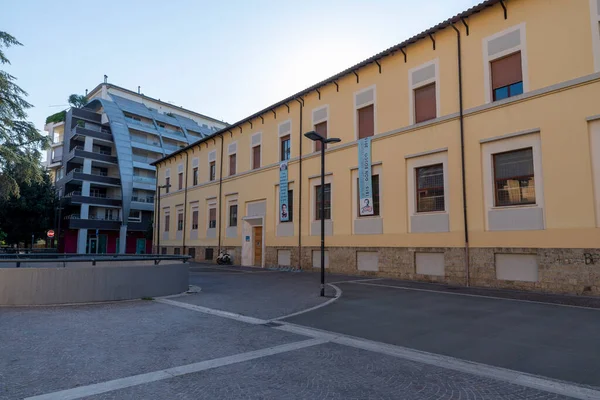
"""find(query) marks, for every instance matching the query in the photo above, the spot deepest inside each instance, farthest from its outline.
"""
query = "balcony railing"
(140, 123)
(170, 131)
(144, 179)
(92, 194)
(146, 160)
(143, 199)
(94, 217)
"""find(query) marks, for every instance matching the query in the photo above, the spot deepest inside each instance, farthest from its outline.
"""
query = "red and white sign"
(50, 233)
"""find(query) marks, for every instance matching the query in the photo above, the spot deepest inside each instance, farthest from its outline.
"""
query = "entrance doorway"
(140, 246)
(97, 244)
(257, 235)
(92, 245)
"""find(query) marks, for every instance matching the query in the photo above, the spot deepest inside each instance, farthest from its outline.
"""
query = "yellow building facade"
(505, 95)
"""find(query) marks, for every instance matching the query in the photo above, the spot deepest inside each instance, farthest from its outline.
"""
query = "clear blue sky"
(226, 59)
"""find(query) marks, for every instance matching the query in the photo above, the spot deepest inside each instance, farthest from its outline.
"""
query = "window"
(321, 129)
(180, 221)
(232, 164)
(167, 222)
(256, 157)
(195, 219)
(135, 216)
(176, 251)
(212, 218)
(195, 176)
(375, 186)
(507, 76)
(430, 188)
(327, 199)
(285, 148)
(167, 184)
(233, 217)
(290, 205)
(213, 170)
(514, 182)
(366, 121)
(180, 180)
(425, 103)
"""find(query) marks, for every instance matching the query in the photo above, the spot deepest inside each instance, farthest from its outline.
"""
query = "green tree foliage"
(20, 142)
(77, 100)
(33, 212)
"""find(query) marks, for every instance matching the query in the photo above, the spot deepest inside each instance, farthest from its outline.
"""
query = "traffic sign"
(50, 233)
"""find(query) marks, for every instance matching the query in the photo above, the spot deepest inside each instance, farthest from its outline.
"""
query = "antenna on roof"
(138, 90)
(86, 92)
(105, 78)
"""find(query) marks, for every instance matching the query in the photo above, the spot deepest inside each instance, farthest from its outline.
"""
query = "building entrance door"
(102, 239)
(258, 245)
(92, 245)
(140, 246)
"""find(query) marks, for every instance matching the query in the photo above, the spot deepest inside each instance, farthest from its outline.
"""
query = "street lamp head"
(165, 186)
(332, 140)
(312, 135)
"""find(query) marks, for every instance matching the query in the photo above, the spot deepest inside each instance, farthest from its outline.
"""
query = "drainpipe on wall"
(462, 156)
(301, 103)
(220, 194)
(155, 221)
(185, 203)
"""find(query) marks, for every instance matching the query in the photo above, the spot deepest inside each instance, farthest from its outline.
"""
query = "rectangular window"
(327, 200)
(233, 217)
(180, 221)
(180, 180)
(167, 222)
(256, 157)
(232, 164)
(195, 176)
(177, 251)
(290, 205)
(366, 121)
(321, 129)
(213, 171)
(212, 218)
(514, 181)
(195, 219)
(167, 184)
(285, 148)
(507, 76)
(135, 216)
(375, 186)
(430, 188)
(425, 103)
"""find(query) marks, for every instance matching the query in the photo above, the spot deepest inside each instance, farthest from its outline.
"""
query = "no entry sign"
(50, 233)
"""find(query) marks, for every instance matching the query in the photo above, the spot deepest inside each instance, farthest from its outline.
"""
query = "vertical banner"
(284, 214)
(365, 184)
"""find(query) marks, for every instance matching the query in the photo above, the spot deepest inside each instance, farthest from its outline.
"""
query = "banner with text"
(284, 214)
(365, 184)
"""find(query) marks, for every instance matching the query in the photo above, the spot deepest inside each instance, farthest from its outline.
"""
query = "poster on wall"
(365, 184)
(284, 214)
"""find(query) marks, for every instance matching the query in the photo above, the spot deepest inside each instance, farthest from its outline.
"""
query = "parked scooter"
(224, 258)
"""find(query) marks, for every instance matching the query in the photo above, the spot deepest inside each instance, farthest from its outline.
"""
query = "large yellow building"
(504, 97)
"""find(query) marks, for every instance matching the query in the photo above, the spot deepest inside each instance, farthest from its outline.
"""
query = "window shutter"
(366, 122)
(232, 164)
(256, 157)
(321, 129)
(425, 103)
(506, 71)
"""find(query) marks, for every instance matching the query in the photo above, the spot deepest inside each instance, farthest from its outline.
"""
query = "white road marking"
(135, 380)
(212, 311)
(338, 294)
(359, 280)
(471, 295)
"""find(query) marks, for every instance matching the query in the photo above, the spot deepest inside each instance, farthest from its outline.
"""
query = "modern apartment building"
(483, 167)
(100, 162)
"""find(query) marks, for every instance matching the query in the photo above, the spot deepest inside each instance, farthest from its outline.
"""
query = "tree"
(20, 142)
(77, 100)
(33, 212)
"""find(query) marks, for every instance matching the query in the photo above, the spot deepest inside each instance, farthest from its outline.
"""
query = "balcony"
(143, 159)
(144, 179)
(76, 197)
(86, 115)
(77, 174)
(74, 221)
(102, 133)
(79, 152)
(142, 203)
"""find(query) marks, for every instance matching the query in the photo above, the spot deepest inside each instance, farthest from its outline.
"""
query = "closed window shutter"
(506, 71)
(232, 164)
(366, 122)
(425, 103)
(321, 129)
(256, 157)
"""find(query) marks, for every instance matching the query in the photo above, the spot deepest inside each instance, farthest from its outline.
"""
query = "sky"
(226, 59)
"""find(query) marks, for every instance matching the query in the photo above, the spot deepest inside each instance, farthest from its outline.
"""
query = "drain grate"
(272, 324)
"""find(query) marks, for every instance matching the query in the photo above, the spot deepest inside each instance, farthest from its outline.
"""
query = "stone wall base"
(199, 253)
(557, 270)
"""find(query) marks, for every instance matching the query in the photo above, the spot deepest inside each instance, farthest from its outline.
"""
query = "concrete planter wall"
(83, 284)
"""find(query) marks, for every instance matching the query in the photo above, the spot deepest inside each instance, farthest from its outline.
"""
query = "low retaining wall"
(84, 284)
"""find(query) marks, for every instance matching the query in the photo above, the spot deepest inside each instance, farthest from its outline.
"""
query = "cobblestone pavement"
(162, 350)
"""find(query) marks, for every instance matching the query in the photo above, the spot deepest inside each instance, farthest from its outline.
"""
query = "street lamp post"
(157, 218)
(312, 135)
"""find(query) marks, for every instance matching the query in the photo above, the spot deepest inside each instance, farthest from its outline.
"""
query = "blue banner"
(284, 214)
(365, 184)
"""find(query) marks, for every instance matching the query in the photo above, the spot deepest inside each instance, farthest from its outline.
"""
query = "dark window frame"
(285, 147)
(195, 215)
(232, 167)
(376, 198)
(420, 190)
(327, 202)
(180, 221)
(254, 155)
(212, 171)
(167, 184)
(233, 221)
(167, 222)
(212, 223)
(519, 178)
(195, 176)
